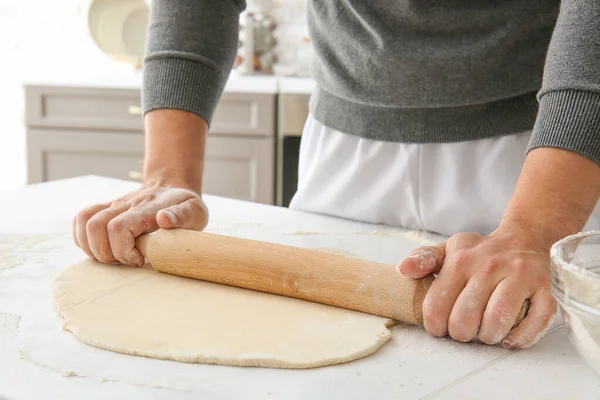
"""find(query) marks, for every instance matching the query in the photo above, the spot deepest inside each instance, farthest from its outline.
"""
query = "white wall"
(36, 37)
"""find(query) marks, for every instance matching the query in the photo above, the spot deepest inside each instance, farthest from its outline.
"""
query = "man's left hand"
(482, 282)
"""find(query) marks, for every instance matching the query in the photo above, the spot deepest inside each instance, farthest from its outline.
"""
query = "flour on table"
(336, 251)
(9, 323)
(414, 236)
(140, 311)
(15, 248)
(69, 373)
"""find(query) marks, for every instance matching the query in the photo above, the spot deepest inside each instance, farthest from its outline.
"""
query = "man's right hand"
(107, 232)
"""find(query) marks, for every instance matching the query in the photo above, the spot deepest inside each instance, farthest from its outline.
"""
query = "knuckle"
(196, 205)
(115, 226)
(84, 215)
(464, 240)
(95, 224)
(143, 199)
(490, 267)
(146, 221)
(518, 264)
(460, 259)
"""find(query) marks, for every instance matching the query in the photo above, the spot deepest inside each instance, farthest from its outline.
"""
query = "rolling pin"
(308, 274)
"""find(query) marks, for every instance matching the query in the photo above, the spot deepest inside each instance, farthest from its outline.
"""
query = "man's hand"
(107, 231)
(170, 197)
(482, 282)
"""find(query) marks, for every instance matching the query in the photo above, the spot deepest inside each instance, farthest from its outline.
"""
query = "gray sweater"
(413, 71)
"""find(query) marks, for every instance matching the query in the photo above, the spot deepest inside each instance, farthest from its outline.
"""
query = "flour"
(414, 236)
(15, 248)
(9, 323)
(69, 373)
(65, 373)
(340, 252)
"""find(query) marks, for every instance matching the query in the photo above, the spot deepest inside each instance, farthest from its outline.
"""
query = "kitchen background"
(48, 43)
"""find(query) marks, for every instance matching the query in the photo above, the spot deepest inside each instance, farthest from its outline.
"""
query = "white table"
(36, 357)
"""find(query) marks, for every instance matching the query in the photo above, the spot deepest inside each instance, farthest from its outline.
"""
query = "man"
(425, 117)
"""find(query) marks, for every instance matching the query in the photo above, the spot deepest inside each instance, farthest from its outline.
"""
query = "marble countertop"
(39, 360)
(129, 78)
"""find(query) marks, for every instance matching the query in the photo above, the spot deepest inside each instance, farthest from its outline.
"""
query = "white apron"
(444, 188)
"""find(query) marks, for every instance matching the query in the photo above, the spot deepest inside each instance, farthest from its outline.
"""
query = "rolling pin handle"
(522, 313)
(142, 243)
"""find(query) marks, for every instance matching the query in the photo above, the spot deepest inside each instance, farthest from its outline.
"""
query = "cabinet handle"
(136, 176)
(134, 110)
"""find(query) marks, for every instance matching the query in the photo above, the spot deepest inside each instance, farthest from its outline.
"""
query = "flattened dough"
(143, 312)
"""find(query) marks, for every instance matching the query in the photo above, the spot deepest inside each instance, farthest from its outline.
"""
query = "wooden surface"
(302, 273)
(308, 274)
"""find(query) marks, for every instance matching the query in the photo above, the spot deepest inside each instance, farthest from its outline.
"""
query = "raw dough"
(336, 251)
(143, 312)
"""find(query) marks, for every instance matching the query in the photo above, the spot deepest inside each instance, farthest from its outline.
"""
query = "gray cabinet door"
(55, 154)
(83, 108)
(240, 168)
(246, 114)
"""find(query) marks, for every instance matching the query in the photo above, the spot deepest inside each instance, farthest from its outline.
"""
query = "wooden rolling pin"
(308, 274)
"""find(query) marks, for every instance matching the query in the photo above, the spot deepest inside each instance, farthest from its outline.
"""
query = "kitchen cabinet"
(54, 154)
(75, 130)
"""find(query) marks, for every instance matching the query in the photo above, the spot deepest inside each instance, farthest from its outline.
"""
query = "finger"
(81, 221)
(423, 261)
(440, 299)
(467, 312)
(535, 325)
(125, 228)
(502, 309)
(97, 233)
(191, 214)
(142, 218)
(74, 231)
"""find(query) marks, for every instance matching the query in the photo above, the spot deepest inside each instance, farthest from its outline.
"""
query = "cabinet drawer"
(235, 167)
(83, 108)
(119, 109)
(53, 155)
(240, 168)
(245, 114)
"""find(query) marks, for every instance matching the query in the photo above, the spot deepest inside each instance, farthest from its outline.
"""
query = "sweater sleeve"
(569, 112)
(190, 51)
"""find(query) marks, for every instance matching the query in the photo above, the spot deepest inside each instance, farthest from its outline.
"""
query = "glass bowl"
(575, 270)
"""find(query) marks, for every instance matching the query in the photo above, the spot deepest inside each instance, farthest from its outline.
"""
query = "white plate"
(118, 27)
